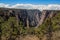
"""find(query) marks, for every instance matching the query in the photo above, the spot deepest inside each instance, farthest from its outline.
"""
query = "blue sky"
(31, 4)
(30, 1)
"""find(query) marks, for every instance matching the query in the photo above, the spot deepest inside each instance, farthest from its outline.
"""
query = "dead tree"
(50, 28)
(37, 17)
(0, 31)
(17, 19)
(42, 17)
(27, 23)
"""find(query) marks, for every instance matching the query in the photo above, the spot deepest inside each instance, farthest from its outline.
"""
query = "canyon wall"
(29, 17)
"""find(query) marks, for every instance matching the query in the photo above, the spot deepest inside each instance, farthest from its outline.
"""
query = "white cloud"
(32, 6)
(4, 5)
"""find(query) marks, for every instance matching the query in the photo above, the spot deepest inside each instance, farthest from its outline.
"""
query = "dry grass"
(28, 37)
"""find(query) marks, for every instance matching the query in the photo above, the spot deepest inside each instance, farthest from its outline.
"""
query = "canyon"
(29, 17)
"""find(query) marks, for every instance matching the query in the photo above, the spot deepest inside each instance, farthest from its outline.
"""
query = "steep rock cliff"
(31, 17)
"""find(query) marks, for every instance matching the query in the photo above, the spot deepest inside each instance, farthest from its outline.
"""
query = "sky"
(31, 4)
(31, 1)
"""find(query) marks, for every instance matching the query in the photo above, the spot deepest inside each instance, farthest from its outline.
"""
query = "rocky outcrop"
(21, 15)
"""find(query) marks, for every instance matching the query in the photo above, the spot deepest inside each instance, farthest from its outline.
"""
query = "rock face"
(31, 17)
